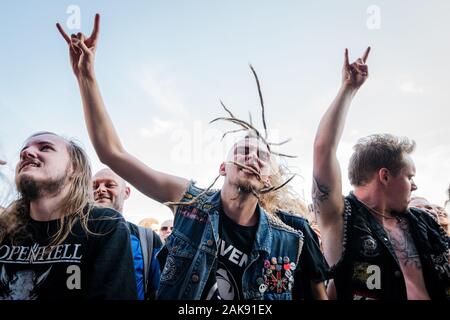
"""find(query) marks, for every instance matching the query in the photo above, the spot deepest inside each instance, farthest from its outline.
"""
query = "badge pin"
(369, 246)
(262, 288)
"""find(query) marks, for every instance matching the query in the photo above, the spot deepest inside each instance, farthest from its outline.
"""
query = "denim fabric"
(190, 253)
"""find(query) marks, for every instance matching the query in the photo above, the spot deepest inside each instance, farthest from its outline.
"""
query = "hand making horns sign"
(355, 74)
(82, 49)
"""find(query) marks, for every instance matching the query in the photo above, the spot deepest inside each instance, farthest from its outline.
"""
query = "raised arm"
(156, 185)
(327, 180)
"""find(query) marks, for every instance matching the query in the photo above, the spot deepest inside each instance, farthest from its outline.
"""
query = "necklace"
(377, 212)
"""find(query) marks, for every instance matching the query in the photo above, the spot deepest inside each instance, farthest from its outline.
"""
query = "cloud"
(157, 128)
(162, 91)
(412, 88)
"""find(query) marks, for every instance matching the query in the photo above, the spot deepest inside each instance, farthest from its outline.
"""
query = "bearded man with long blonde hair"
(53, 243)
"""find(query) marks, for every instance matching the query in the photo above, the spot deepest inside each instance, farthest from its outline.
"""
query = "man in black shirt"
(53, 243)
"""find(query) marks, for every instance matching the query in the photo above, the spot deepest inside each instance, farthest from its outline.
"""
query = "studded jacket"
(191, 252)
(368, 254)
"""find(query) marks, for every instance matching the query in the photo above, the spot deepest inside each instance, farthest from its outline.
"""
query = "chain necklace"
(377, 212)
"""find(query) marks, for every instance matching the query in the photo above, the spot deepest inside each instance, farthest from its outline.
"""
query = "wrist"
(348, 90)
(84, 77)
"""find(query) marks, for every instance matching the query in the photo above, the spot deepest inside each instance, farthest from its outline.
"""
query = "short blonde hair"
(375, 152)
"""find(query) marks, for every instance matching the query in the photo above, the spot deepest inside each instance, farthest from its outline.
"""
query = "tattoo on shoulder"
(320, 193)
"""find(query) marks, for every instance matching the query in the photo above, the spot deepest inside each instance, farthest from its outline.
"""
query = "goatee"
(32, 189)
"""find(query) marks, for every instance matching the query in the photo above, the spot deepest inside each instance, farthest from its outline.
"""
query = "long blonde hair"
(284, 199)
(77, 204)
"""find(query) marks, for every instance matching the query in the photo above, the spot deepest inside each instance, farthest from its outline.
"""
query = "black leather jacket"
(367, 250)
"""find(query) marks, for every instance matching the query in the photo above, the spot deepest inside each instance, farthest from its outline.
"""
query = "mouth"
(102, 199)
(249, 171)
(29, 164)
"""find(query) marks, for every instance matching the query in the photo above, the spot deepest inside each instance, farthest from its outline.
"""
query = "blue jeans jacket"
(191, 252)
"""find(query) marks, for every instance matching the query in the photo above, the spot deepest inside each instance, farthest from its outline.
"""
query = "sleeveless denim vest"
(191, 252)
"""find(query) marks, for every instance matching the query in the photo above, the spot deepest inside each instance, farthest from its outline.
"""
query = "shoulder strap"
(146, 239)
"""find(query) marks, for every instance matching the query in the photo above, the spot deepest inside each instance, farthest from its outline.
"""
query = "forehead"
(46, 138)
(409, 166)
(167, 223)
(106, 175)
(253, 143)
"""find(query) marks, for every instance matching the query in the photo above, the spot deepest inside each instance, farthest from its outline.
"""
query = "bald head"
(110, 190)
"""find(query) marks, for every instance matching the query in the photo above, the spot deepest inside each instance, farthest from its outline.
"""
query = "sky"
(163, 66)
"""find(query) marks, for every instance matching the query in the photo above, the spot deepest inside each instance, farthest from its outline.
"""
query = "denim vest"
(368, 254)
(191, 251)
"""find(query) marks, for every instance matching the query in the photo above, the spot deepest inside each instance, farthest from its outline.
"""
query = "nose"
(100, 188)
(28, 153)
(413, 186)
(252, 157)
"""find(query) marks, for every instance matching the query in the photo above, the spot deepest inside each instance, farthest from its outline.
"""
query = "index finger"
(346, 62)
(96, 30)
(63, 33)
(366, 54)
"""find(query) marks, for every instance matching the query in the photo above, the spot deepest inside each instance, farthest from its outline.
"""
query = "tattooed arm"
(327, 180)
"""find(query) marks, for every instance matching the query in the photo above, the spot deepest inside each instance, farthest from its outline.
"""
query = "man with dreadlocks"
(224, 244)
(54, 245)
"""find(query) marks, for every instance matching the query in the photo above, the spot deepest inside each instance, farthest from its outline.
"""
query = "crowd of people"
(66, 237)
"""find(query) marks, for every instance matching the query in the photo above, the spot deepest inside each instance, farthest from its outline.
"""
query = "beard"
(32, 189)
(247, 187)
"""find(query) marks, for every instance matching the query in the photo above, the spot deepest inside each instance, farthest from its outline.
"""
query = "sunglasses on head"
(165, 228)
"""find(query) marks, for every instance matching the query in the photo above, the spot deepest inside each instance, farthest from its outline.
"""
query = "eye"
(242, 150)
(46, 147)
(264, 156)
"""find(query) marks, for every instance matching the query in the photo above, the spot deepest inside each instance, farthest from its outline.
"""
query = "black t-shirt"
(96, 265)
(235, 246)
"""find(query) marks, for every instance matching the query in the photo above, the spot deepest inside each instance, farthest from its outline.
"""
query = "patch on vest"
(441, 265)
(363, 296)
(170, 270)
(194, 214)
(369, 247)
(277, 275)
(360, 272)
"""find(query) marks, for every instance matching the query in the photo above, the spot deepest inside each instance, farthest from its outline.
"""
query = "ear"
(127, 192)
(222, 170)
(383, 175)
